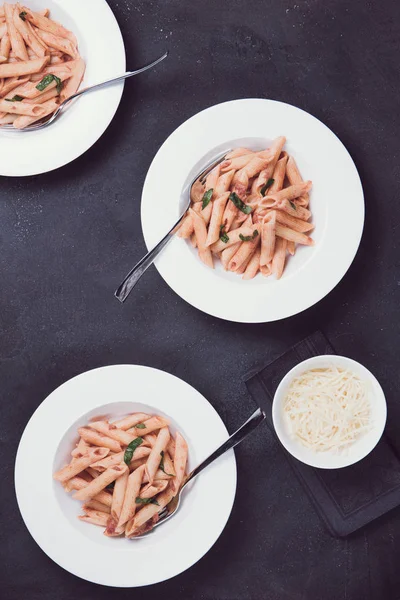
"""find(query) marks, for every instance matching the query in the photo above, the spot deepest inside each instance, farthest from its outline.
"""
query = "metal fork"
(42, 124)
(144, 263)
(172, 507)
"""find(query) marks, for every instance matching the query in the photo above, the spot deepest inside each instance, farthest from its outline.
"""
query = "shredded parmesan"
(327, 409)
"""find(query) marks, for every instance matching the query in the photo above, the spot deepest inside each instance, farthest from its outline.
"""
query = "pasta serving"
(125, 472)
(251, 212)
(40, 65)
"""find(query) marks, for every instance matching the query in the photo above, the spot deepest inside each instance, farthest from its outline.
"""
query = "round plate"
(337, 205)
(362, 446)
(51, 515)
(82, 123)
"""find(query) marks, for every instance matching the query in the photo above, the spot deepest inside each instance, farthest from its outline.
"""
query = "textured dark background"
(68, 237)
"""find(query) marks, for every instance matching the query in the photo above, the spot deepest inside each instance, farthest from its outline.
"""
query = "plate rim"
(48, 400)
(357, 236)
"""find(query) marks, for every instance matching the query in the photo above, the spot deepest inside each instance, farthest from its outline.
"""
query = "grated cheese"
(327, 409)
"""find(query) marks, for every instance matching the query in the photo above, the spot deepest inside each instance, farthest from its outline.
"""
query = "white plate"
(51, 515)
(363, 446)
(337, 205)
(81, 125)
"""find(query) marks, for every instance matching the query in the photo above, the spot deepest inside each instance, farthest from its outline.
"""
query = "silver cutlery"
(172, 507)
(144, 263)
(51, 118)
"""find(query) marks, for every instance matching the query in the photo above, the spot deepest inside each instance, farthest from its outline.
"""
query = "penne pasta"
(98, 439)
(29, 36)
(150, 425)
(201, 236)
(253, 266)
(154, 459)
(21, 108)
(180, 460)
(23, 121)
(78, 483)
(119, 495)
(223, 183)
(17, 43)
(152, 489)
(291, 208)
(27, 67)
(296, 224)
(5, 46)
(38, 58)
(214, 229)
(234, 237)
(109, 461)
(278, 262)
(42, 22)
(79, 464)
(132, 492)
(95, 517)
(157, 466)
(293, 236)
(100, 483)
(268, 238)
(80, 448)
(103, 427)
(278, 176)
(291, 192)
(148, 511)
(131, 421)
(245, 250)
(96, 505)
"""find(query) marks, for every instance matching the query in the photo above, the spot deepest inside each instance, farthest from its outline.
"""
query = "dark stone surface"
(67, 238)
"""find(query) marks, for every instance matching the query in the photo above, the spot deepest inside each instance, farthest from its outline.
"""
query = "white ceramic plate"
(337, 205)
(81, 125)
(51, 515)
(363, 446)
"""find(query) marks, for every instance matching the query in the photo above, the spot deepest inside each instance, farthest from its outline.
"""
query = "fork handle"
(114, 79)
(256, 418)
(144, 263)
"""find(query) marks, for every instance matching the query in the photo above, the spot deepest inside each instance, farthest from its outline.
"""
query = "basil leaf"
(162, 464)
(22, 15)
(140, 426)
(110, 486)
(266, 186)
(47, 80)
(223, 236)
(292, 204)
(248, 238)
(15, 98)
(245, 208)
(131, 449)
(146, 501)
(207, 198)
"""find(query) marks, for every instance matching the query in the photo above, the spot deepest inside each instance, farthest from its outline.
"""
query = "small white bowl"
(357, 451)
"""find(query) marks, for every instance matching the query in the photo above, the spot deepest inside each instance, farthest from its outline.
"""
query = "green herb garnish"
(248, 238)
(245, 208)
(47, 80)
(292, 204)
(131, 449)
(110, 486)
(162, 464)
(146, 501)
(223, 236)
(16, 98)
(140, 426)
(22, 15)
(266, 186)
(207, 198)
